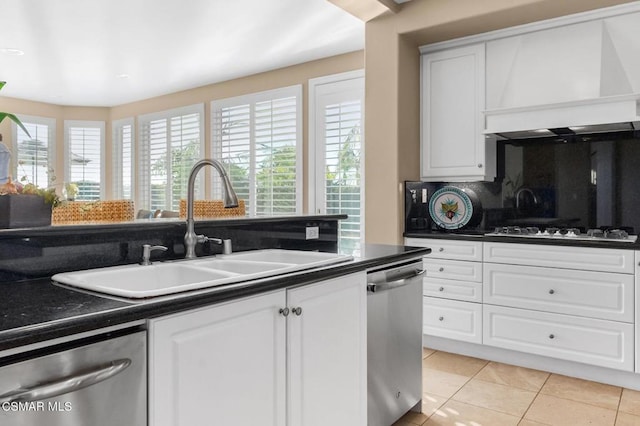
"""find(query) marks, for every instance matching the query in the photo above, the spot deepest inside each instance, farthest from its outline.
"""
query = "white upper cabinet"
(453, 98)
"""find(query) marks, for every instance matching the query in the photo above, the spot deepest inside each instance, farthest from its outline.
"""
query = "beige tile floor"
(464, 391)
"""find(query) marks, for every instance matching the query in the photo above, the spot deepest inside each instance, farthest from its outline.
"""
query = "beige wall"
(297, 74)
(392, 78)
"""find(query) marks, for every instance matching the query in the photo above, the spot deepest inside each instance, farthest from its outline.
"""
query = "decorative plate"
(450, 207)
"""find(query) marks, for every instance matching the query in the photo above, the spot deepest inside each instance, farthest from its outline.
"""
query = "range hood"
(601, 115)
(575, 79)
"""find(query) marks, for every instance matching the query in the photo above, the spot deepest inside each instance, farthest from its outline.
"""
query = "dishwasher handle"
(375, 287)
(66, 384)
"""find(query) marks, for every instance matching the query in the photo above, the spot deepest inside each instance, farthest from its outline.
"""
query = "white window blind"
(35, 153)
(84, 158)
(123, 143)
(336, 140)
(171, 143)
(258, 138)
(343, 184)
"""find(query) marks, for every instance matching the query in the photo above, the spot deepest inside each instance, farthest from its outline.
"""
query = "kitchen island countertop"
(38, 310)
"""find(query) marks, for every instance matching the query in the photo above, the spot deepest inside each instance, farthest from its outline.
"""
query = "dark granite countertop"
(612, 244)
(37, 310)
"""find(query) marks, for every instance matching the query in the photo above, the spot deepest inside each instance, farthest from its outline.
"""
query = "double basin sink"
(164, 278)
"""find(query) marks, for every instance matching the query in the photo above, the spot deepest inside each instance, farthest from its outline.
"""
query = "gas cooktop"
(609, 235)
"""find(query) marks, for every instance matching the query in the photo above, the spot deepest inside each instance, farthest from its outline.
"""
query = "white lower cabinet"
(587, 340)
(592, 294)
(327, 353)
(452, 319)
(245, 363)
(209, 365)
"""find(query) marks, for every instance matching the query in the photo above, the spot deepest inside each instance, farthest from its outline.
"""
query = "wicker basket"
(75, 212)
(211, 209)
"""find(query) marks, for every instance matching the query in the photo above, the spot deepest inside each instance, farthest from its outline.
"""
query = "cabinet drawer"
(452, 269)
(452, 319)
(592, 294)
(590, 341)
(583, 258)
(449, 249)
(468, 291)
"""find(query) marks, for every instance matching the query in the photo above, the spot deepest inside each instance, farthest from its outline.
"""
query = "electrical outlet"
(312, 232)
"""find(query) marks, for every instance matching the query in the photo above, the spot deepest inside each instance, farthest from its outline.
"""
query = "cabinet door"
(590, 341)
(208, 366)
(585, 293)
(453, 146)
(452, 319)
(449, 249)
(327, 353)
(452, 270)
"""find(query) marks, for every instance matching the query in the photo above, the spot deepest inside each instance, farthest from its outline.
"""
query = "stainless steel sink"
(163, 278)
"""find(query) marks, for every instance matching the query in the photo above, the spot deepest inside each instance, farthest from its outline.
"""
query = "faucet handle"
(146, 253)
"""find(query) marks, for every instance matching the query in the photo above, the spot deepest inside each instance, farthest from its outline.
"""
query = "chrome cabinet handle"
(551, 336)
(297, 311)
(441, 289)
(441, 249)
(441, 269)
(551, 291)
(441, 319)
(284, 312)
(67, 384)
(479, 165)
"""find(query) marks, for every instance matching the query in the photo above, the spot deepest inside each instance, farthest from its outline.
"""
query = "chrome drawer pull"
(284, 311)
(551, 336)
(441, 249)
(551, 291)
(441, 289)
(441, 319)
(297, 311)
(441, 269)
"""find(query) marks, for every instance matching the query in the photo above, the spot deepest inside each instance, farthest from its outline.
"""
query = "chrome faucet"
(230, 200)
(146, 253)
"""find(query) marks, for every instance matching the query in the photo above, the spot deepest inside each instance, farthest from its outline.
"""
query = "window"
(123, 143)
(35, 154)
(171, 143)
(84, 158)
(336, 122)
(258, 138)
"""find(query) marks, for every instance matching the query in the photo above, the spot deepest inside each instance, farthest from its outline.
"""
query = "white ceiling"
(76, 51)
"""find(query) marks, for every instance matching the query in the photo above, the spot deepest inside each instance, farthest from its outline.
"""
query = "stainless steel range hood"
(600, 115)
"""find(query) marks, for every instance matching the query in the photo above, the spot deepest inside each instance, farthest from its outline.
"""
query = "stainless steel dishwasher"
(394, 342)
(98, 381)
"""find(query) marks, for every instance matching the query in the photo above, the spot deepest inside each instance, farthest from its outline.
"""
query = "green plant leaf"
(2, 83)
(15, 119)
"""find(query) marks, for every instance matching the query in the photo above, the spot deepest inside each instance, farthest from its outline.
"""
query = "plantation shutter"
(275, 161)
(232, 131)
(123, 159)
(84, 158)
(336, 141)
(171, 143)
(258, 138)
(35, 153)
(343, 149)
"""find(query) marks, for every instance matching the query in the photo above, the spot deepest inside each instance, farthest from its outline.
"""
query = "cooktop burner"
(610, 235)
